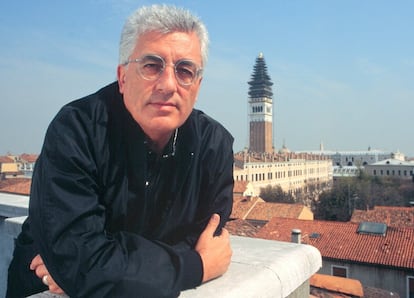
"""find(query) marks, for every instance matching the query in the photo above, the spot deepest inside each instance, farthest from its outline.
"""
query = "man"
(133, 185)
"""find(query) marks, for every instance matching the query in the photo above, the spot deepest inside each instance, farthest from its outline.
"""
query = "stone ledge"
(262, 268)
(13, 225)
(12, 205)
(259, 268)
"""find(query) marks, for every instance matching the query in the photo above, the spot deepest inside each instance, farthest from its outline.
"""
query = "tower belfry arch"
(260, 108)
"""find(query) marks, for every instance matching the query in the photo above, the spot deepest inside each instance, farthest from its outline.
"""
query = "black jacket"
(109, 217)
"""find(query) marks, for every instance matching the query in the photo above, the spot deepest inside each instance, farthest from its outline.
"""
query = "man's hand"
(215, 251)
(41, 271)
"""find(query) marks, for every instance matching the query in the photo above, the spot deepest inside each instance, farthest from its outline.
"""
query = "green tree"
(362, 192)
(276, 194)
(333, 204)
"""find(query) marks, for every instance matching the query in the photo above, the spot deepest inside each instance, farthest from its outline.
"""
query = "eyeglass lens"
(150, 67)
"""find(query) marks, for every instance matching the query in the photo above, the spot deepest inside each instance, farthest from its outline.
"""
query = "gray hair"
(163, 19)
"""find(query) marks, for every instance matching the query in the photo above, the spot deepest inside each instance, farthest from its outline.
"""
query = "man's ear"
(120, 73)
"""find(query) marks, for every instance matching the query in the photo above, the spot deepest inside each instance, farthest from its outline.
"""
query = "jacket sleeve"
(216, 186)
(68, 224)
(217, 177)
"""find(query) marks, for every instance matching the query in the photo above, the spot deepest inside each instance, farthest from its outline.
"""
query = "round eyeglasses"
(150, 67)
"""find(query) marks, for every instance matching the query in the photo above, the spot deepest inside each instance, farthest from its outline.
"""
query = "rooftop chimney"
(296, 236)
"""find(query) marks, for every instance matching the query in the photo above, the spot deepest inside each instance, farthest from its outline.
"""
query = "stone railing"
(259, 267)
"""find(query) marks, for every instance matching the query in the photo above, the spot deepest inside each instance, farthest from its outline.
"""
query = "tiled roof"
(240, 227)
(252, 157)
(337, 284)
(239, 186)
(340, 240)
(6, 159)
(29, 157)
(392, 216)
(256, 209)
(265, 211)
(242, 206)
(370, 292)
(16, 186)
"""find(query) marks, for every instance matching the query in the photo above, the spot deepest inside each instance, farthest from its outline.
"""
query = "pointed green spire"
(260, 84)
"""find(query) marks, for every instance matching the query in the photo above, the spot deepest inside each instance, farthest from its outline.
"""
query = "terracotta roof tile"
(256, 209)
(265, 211)
(239, 186)
(243, 205)
(392, 216)
(275, 157)
(370, 292)
(29, 157)
(16, 186)
(241, 227)
(6, 159)
(337, 284)
(340, 240)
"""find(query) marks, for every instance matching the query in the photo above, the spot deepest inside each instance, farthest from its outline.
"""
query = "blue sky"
(343, 71)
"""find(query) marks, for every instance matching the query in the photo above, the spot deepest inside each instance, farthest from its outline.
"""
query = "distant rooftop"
(19, 186)
(393, 162)
(345, 152)
(340, 240)
(392, 216)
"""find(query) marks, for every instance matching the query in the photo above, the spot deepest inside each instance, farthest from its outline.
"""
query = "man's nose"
(167, 80)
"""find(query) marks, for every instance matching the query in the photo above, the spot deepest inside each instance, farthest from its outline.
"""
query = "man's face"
(161, 105)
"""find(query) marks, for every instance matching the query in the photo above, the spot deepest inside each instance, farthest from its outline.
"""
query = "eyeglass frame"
(197, 73)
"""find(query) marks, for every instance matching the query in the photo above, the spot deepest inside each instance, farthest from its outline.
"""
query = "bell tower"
(260, 109)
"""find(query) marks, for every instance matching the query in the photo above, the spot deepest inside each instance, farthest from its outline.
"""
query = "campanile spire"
(260, 108)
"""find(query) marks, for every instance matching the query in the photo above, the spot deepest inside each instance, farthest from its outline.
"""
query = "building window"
(340, 271)
(410, 286)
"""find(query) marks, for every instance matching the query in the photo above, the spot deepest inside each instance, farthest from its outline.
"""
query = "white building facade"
(292, 172)
(391, 168)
